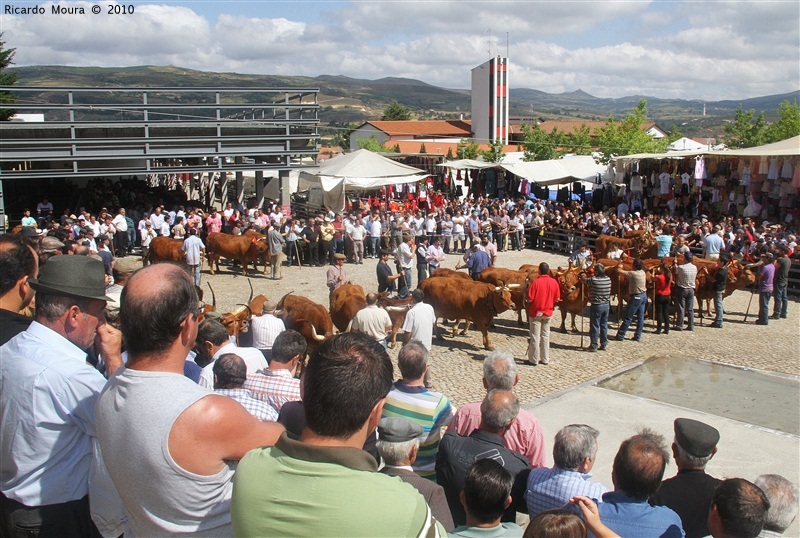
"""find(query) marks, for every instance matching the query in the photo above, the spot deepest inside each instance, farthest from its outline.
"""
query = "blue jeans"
(422, 271)
(781, 308)
(718, 307)
(195, 271)
(685, 307)
(636, 308)
(376, 246)
(763, 306)
(598, 324)
(338, 245)
(404, 284)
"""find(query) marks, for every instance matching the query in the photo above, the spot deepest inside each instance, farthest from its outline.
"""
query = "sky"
(708, 50)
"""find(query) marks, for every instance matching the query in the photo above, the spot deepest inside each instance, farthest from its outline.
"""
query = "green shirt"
(295, 489)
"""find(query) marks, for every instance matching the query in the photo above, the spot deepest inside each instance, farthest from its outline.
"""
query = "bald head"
(639, 464)
(153, 305)
(498, 410)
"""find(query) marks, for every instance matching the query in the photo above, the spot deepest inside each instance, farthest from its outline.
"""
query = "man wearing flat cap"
(689, 493)
(47, 399)
(398, 442)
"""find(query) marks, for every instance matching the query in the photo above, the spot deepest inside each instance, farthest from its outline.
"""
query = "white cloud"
(692, 50)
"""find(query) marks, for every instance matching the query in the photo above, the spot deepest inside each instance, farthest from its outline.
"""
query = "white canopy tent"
(557, 171)
(785, 148)
(360, 170)
(467, 164)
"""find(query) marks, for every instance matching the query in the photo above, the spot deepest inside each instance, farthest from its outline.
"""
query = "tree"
(396, 111)
(746, 131)
(449, 156)
(628, 136)
(674, 134)
(372, 144)
(6, 79)
(786, 127)
(539, 145)
(467, 149)
(495, 153)
(422, 148)
(579, 141)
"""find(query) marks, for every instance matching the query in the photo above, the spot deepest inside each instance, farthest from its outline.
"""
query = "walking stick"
(582, 316)
(752, 292)
(655, 313)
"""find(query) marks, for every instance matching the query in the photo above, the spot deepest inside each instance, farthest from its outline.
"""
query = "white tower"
(490, 101)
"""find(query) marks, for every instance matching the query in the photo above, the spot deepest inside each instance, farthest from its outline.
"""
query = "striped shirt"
(275, 387)
(685, 275)
(599, 289)
(553, 488)
(431, 410)
(257, 408)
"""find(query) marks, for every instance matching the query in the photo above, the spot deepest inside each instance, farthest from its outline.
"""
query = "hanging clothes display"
(786, 169)
(772, 173)
(700, 168)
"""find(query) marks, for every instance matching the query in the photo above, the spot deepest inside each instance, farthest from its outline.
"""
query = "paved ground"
(457, 362)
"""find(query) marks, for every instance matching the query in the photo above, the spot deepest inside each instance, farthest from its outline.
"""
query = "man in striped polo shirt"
(599, 295)
(410, 399)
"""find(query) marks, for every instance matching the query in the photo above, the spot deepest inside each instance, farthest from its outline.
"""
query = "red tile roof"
(438, 148)
(460, 128)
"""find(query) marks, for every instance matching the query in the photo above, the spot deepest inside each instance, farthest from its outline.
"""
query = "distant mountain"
(345, 100)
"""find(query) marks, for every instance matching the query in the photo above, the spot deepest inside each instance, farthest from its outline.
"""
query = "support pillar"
(239, 189)
(285, 190)
(223, 189)
(259, 188)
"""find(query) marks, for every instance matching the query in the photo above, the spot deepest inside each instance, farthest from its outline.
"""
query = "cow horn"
(213, 297)
(250, 283)
(514, 285)
(317, 337)
(249, 310)
(349, 326)
(498, 288)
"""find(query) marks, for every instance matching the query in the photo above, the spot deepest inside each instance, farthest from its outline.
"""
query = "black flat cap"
(695, 437)
(398, 430)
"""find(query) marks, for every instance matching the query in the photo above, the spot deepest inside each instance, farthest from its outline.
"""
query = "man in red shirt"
(543, 294)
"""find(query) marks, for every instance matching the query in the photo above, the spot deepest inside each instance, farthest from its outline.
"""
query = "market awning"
(556, 171)
(467, 164)
(785, 148)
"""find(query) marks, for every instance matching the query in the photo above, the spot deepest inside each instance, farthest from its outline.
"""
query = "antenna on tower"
(488, 41)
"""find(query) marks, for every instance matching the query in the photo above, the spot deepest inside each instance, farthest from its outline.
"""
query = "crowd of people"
(142, 435)
(125, 410)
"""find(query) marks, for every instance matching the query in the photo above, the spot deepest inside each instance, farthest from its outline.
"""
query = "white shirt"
(157, 221)
(120, 222)
(265, 330)
(419, 322)
(253, 359)
(406, 256)
(47, 397)
(373, 321)
(375, 228)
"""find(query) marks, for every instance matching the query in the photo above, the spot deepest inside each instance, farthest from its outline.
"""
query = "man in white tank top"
(170, 446)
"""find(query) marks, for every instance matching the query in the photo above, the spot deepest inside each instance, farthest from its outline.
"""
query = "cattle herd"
(452, 294)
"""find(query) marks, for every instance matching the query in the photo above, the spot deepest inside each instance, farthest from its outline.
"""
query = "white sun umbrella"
(360, 170)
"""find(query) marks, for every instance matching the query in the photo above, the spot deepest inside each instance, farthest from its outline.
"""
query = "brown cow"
(242, 248)
(237, 321)
(514, 280)
(397, 309)
(641, 246)
(263, 258)
(346, 301)
(477, 302)
(306, 317)
(166, 249)
(574, 295)
(445, 272)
